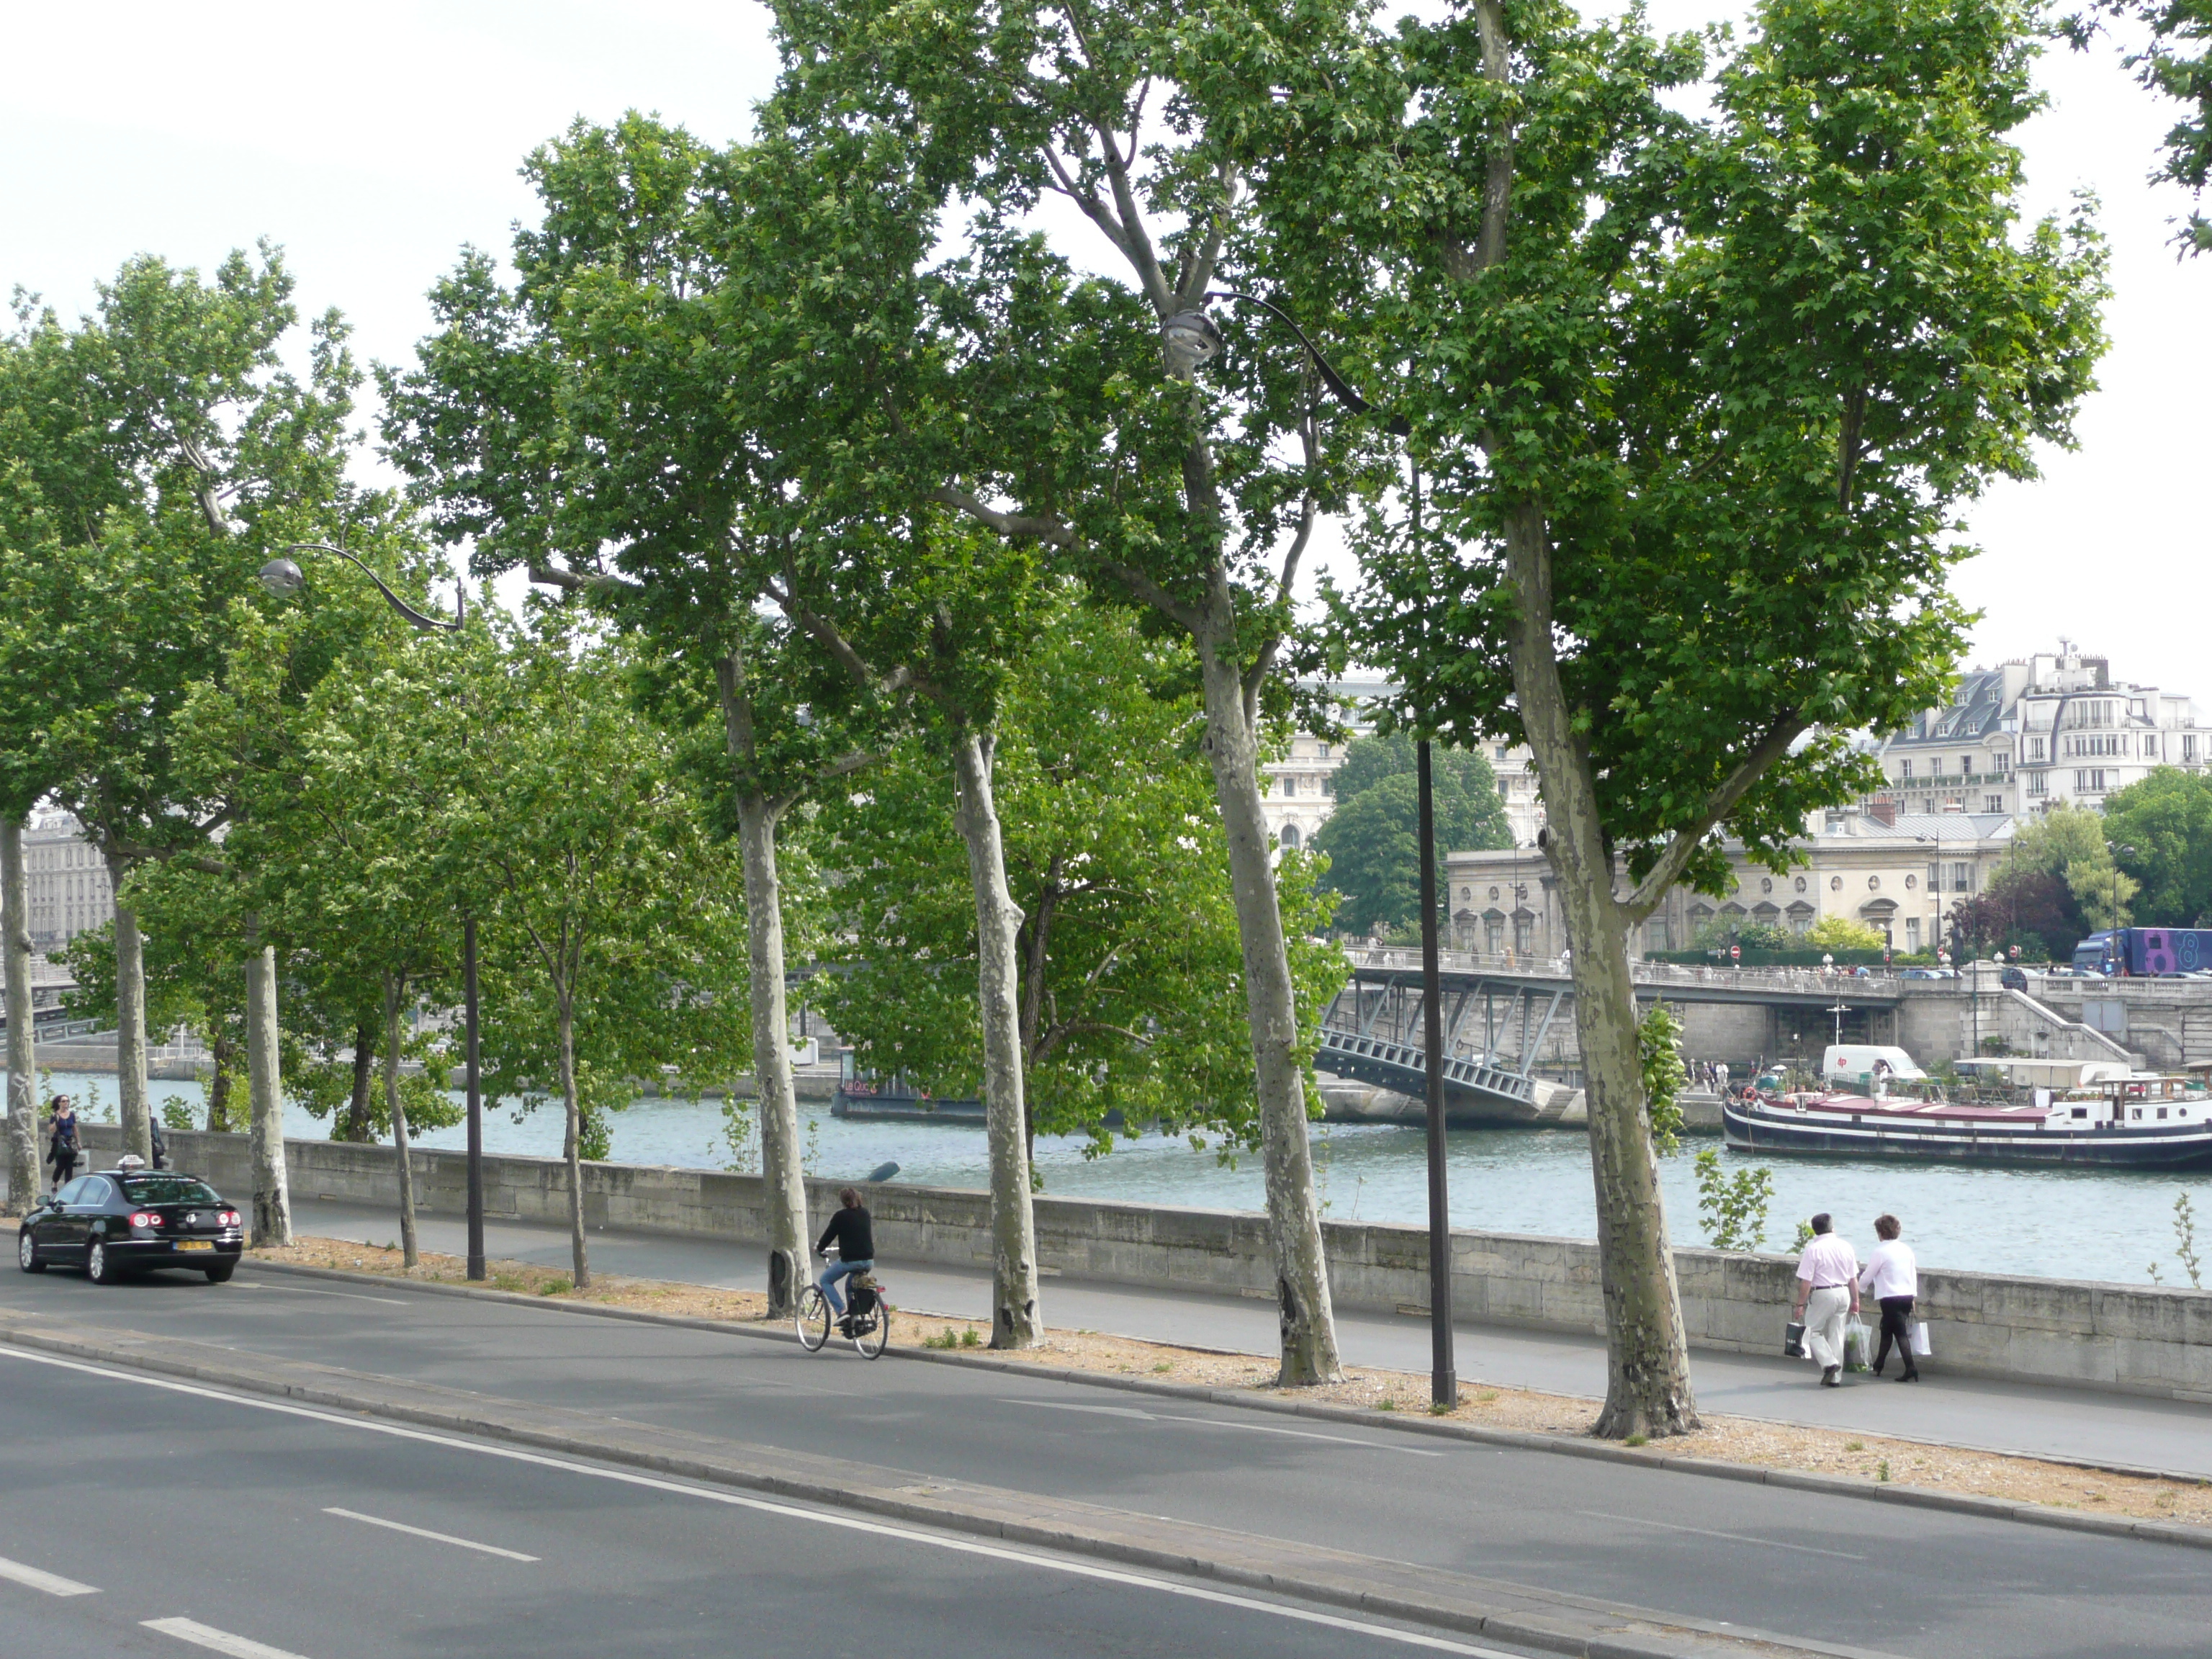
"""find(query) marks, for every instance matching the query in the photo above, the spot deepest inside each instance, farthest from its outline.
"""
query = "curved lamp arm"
(283, 576)
(1335, 381)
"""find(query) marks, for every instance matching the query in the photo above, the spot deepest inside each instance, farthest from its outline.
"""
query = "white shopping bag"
(1920, 1347)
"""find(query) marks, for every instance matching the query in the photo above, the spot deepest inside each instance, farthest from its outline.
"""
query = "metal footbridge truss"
(1486, 1082)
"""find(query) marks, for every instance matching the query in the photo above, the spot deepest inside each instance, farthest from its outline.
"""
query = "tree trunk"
(1648, 1363)
(782, 1183)
(1015, 1323)
(272, 1203)
(23, 1057)
(395, 987)
(130, 1019)
(222, 1055)
(573, 1150)
(1301, 1292)
(354, 1126)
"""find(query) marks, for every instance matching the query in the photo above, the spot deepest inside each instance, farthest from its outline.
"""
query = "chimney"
(1883, 810)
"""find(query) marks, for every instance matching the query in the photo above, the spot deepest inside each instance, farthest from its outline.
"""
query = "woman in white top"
(1893, 1280)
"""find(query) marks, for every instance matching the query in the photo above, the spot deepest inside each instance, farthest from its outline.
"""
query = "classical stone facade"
(1898, 874)
(2036, 733)
(67, 888)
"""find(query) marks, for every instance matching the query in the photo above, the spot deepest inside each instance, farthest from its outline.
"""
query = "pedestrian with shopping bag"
(1827, 1294)
(1892, 1279)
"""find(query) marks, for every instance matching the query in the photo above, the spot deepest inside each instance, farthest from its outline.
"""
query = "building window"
(1965, 765)
(1912, 934)
(1289, 836)
(1904, 769)
(1935, 765)
(1524, 932)
(1290, 786)
(2035, 749)
(1500, 752)
(1962, 878)
(1493, 935)
(1321, 750)
(2188, 746)
(2039, 783)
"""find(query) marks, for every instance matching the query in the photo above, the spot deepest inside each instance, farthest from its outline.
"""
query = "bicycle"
(867, 1316)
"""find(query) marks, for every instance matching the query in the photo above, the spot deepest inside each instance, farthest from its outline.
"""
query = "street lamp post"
(282, 576)
(1188, 341)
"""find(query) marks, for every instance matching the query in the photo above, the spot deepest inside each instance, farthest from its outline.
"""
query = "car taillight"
(229, 1218)
(143, 1220)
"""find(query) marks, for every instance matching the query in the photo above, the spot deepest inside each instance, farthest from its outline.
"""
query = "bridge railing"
(1521, 965)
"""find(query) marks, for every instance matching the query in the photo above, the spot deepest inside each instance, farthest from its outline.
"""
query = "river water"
(2098, 1225)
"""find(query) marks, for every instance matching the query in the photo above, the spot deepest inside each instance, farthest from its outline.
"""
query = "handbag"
(1921, 1348)
(1857, 1349)
(1793, 1341)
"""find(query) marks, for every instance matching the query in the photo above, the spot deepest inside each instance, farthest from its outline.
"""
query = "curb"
(1832, 1486)
(1580, 1627)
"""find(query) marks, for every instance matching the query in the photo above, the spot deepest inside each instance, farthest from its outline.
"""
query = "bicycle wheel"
(872, 1342)
(812, 1319)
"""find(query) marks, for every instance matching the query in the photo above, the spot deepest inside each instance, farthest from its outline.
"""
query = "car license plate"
(194, 1244)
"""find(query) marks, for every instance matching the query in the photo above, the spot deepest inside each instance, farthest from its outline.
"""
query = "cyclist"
(851, 1230)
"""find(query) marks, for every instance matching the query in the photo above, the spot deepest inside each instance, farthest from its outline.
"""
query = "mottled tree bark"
(129, 1019)
(353, 1125)
(395, 991)
(22, 1054)
(1648, 1362)
(1302, 1290)
(783, 1182)
(272, 1202)
(222, 1056)
(573, 1151)
(1015, 1320)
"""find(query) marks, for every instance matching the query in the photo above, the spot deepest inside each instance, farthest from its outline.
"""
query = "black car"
(2012, 979)
(121, 1221)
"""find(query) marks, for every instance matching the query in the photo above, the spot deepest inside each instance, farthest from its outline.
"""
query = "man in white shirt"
(1827, 1289)
(1892, 1279)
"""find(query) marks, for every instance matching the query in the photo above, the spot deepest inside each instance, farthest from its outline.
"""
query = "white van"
(1866, 1063)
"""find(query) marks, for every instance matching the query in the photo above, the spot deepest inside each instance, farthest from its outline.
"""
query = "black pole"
(1443, 1379)
(476, 1102)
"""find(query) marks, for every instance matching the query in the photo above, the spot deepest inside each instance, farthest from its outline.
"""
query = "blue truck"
(2146, 952)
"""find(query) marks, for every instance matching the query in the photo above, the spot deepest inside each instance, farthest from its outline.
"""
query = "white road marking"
(436, 1537)
(1073, 1568)
(53, 1583)
(349, 1296)
(1219, 1423)
(1733, 1537)
(221, 1641)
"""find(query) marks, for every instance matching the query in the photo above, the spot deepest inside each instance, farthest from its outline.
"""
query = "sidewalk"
(2084, 1425)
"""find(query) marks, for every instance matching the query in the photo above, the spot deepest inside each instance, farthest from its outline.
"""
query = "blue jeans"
(832, 1274)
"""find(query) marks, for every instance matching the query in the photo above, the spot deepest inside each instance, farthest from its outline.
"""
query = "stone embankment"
(2148, 1340)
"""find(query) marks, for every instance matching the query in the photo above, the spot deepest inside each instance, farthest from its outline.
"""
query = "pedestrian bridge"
(1474, 1088)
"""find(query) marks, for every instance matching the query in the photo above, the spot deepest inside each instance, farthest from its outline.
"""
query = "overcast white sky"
(373, 143)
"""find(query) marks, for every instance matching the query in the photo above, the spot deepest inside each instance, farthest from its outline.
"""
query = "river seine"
(2095, 1224)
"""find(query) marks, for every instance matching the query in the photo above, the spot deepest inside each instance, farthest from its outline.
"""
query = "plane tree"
(1698, 399)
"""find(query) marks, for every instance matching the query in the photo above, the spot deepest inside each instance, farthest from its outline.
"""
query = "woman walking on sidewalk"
(1892, 1279)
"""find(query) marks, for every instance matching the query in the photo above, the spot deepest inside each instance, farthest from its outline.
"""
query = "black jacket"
(855, 1237)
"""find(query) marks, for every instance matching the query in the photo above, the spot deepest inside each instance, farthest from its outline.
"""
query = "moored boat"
(2139, 1122)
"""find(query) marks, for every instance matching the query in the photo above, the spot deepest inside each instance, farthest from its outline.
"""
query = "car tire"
(26, 1254)
(100, 1268)
(220, 1273)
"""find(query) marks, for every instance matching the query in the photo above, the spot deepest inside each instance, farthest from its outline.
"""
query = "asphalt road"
(1835, 1569)
(2096, 1425)
(167, 1522)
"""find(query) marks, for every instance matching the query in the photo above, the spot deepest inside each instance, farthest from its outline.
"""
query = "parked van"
(1865, 1063)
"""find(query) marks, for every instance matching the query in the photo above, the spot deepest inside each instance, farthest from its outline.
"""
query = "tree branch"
(576, 581)
(1055, 532)
(1768, 749)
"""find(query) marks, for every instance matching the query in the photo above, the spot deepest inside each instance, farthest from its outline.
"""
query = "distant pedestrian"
(61, 1143)
(1892, 1279)
(161, 1145)
(1720, 1077)
(1827, 1290)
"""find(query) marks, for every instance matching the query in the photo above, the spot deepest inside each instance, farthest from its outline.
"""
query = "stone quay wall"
(2148, 1340)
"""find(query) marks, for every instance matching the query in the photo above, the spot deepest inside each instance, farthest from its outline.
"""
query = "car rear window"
(167, 1189)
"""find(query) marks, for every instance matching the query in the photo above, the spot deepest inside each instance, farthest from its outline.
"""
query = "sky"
(371, 144)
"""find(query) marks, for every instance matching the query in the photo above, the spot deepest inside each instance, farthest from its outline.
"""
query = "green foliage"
(1131, 1005)
(1372, 838)
(2184, 1235)
(1659, 1045)
(177, 1113)
(2170, 50)
(1723, 931)
(2167, 818)
(1733, 1208)
(1842, 933)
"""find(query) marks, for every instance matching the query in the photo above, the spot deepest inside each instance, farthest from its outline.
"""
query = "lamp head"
(283, 577)
(1189, 341)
